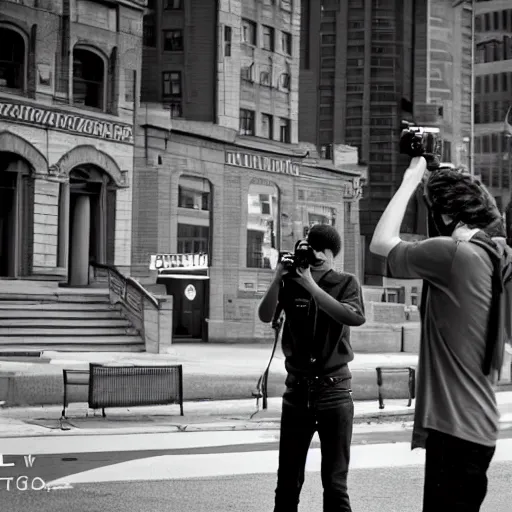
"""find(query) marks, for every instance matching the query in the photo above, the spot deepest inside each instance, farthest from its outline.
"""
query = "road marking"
(179, 467)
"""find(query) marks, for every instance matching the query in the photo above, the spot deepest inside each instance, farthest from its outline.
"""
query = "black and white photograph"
(255, 255)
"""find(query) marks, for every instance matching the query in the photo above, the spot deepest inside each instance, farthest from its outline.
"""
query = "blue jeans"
(324, 405)
(455, 473)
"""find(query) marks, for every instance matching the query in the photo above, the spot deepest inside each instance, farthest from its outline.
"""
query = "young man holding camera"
(319, 305)
(456, 414)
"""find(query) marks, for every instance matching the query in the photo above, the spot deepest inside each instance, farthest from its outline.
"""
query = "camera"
(422, 141)
(302, 257)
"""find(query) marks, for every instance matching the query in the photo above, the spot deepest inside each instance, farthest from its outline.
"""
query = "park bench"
(127, 386)
(411, 384)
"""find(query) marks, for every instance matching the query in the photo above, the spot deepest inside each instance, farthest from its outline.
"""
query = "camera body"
(422, 141)
(302, 257)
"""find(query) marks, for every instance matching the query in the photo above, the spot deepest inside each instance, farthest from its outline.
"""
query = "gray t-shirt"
(453, 395)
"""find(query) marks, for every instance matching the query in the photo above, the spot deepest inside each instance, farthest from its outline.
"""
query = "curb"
(222, 425)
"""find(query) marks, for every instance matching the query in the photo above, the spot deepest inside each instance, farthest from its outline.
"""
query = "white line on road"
(178, 467)
(157, 441)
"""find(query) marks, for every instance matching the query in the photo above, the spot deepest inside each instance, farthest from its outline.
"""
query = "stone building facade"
(69, 83)
(204, 189)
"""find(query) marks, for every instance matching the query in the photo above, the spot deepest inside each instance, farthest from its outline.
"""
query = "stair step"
(36, 342)
(85, 323)
(48, 314)
(82, 331)
(11, 298)
(75, 344)
(56, 306)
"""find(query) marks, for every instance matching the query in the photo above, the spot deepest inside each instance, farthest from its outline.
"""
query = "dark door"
(8, 224)
(189, 308)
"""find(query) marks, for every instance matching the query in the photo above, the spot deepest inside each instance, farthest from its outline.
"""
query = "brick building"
(493, 96)
(367, 65)
(68, 88)
(219, 170)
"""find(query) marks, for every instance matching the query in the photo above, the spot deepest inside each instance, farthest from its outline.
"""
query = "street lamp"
(472, 92)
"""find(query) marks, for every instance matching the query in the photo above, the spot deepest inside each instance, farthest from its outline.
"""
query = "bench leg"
(103, 412)
(379, 384)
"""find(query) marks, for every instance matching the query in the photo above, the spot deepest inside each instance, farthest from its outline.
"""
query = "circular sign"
(190, 292)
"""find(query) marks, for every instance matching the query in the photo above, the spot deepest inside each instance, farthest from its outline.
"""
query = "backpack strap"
(493, 326)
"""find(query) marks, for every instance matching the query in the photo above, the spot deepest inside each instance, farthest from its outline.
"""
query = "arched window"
(12, 59)
(262, 225)
(88, 79)
(194, 215)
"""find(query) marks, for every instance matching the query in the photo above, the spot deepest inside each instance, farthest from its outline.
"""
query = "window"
(267, 126)
(268, 38)
(148, 31)
(227, 41)
(172, 5)
(193, 239)
(478, 84)
(284, 130)
(194, 227)
(286, 43)
(12, 59)
(262, 225)
(246, 73)
(246, 122)
(285, 81)
(249, 32)
(265, 77)
(173, 40)
(172, 84)
(88, 79)
(175, 107)
(193, 198)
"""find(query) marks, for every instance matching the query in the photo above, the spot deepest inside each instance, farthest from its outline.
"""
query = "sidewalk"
(231, 415)
(210, 372)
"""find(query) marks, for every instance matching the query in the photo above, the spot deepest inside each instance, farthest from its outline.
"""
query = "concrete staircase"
(45, 317)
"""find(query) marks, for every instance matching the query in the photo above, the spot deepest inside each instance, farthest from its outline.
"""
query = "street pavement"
(217, 472)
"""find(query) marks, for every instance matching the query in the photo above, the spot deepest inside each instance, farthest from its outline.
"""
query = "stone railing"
(151, 315)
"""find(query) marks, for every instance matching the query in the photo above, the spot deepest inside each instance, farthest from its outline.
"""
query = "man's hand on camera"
(305, 279)
(283, 266)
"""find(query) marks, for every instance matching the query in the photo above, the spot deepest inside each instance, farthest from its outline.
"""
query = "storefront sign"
(58, 120)
(162, 262)
(262, 163)
(190, 292)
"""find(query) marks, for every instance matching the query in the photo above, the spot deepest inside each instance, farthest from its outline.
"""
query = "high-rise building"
(219, 169)
(493, 96)
(366, 65)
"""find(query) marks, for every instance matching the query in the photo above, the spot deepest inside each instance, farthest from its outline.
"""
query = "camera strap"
(261, 390)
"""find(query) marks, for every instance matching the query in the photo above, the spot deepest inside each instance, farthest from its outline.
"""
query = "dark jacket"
(313, 343)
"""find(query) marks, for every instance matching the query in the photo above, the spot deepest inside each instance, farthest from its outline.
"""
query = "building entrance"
(92, 203)
(16, 216)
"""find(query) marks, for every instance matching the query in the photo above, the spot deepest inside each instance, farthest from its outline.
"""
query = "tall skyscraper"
(366, 65)
(493, 96)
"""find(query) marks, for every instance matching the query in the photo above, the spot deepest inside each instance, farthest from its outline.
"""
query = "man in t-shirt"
(456, 416)
(320, 304)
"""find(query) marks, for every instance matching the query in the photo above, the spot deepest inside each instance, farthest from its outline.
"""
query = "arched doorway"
(92, 207)
(16, 216)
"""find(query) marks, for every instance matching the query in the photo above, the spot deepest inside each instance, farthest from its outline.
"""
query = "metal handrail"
(127, 280)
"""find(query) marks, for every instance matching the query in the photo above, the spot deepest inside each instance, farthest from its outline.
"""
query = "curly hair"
(323, 236)
(465, 199)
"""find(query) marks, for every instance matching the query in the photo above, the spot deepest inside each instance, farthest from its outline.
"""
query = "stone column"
(80, 238)
(64, 214)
